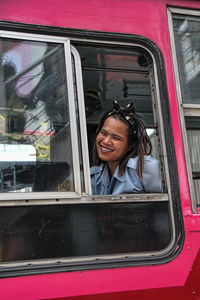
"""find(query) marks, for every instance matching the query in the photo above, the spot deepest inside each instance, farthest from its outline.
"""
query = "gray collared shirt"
(129, 182)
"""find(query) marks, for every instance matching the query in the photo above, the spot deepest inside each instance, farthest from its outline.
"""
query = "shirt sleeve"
(151, 178)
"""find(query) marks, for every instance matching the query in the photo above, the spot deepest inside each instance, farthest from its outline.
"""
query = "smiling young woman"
(122, 163)
(112, 143)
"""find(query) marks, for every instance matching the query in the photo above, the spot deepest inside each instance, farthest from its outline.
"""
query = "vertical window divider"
(159, 118)
(81, 107)
(72, 115)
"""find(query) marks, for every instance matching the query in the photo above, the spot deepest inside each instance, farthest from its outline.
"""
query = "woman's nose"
(107, 139)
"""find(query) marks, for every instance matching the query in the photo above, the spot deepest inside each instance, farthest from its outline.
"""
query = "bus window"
(185, 34)
(54, 93)
(34, 113)
(186, 30)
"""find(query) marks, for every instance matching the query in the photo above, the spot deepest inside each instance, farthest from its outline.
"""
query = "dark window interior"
(29, 233)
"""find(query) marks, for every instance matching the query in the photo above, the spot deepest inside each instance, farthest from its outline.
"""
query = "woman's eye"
(103, 133)
(116, 138)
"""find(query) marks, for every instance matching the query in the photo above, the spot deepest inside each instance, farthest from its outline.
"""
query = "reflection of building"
(33, 115)
(153, 138)
(14, 159)
(2, 124)
(9, 152)
(191, 55)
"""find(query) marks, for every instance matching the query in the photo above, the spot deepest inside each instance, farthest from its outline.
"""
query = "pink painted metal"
(147, 18)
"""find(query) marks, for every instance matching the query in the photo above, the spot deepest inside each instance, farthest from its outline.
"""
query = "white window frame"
(82, 119)
(185, 109)
(48, 196)
(45, 198)
(37, 198)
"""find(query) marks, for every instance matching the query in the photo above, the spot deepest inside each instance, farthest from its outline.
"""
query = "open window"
(54, 92)
(112, 73)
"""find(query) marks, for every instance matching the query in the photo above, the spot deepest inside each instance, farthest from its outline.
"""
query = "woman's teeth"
(105, 149)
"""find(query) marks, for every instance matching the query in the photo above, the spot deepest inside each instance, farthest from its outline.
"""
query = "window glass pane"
(187, 43)
(31, 233)
(35, 145)
(193, 136)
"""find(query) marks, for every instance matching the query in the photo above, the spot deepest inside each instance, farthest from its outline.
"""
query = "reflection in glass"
(193, 136)
(187, 42)
(35, 142)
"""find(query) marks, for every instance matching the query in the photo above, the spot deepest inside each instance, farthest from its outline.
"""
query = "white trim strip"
(75, 199)
(72, 116)
(32, 37)
(81, 107)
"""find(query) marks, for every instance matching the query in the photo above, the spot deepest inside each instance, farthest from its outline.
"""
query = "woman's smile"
(103, 148)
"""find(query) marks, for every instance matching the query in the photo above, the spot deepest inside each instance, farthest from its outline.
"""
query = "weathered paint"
(177, 279)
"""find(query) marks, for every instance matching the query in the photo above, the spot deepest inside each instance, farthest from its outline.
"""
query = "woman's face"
(112, 140)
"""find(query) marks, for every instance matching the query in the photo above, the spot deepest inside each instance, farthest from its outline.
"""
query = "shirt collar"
(104, 175)
(118, 177)
(132, 163)
(104, 172)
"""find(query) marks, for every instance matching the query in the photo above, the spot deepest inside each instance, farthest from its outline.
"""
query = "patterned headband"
(127, 113)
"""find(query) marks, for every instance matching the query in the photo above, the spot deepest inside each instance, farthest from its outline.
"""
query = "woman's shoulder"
(132, 162)
(96, 169)
(148, 161)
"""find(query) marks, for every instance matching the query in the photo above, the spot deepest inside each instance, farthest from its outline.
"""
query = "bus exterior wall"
(177, 279)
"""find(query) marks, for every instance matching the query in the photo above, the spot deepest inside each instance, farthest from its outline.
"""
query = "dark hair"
(137, 136)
